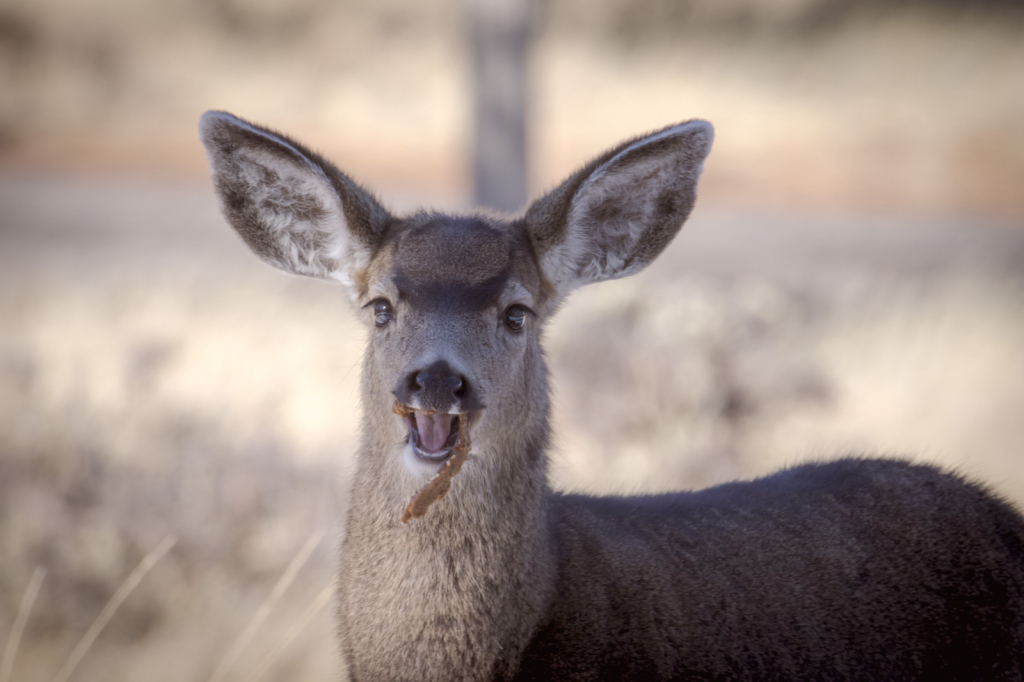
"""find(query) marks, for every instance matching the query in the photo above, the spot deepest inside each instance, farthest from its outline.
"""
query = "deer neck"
(425, 593)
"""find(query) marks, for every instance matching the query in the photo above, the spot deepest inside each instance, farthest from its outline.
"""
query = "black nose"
(437, 387)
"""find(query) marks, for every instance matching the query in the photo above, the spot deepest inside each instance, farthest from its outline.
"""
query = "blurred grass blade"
(126, 588)
(268, 604)
(14, 640)
(293, 632)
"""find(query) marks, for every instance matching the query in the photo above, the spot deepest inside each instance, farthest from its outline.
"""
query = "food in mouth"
(435, 438)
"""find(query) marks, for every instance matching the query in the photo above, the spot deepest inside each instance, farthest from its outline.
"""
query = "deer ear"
(294, 209)
(616, 214)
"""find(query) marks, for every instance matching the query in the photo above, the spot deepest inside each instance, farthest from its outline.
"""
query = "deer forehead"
(459, 263)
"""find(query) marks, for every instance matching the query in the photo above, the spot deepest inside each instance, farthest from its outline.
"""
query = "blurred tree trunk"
(499, 35)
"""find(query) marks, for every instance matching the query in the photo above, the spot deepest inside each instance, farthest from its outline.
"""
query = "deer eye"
(515, 318)
(382, 312)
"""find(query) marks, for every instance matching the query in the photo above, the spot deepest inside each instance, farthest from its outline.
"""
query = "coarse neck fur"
(457, 594)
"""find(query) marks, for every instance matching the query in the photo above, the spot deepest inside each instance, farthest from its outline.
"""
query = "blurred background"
(851, 280)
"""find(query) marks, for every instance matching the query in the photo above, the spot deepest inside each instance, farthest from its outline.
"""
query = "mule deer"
(855, 569)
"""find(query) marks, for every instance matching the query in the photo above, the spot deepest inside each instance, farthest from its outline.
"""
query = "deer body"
(856, 569)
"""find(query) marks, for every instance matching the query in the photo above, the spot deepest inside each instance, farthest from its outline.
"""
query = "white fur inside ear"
(299, 209)
(615, 207)
(295, 220)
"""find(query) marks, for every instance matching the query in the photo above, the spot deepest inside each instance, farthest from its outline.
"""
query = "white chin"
(417, 466)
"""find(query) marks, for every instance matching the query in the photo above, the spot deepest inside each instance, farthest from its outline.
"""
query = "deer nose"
(440, 381)
(437, 387)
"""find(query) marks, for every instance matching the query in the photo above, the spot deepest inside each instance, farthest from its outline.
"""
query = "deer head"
(454, 305)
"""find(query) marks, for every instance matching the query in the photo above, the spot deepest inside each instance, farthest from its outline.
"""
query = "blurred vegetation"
(849, 103)
(644, 20)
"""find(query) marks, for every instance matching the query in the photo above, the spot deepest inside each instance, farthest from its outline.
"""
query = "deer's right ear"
(616, 214)
(294, 209)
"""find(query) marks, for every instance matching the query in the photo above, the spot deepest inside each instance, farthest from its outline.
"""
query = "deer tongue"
(434, 430)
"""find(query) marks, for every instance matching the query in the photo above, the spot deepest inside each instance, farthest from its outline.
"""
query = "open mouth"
(433, 435)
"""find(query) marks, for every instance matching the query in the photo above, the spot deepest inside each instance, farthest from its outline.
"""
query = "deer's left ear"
(615, 215)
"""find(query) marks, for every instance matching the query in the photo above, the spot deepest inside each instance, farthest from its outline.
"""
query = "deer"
(856, 568)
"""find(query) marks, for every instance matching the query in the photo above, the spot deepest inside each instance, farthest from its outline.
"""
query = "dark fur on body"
(852, 570)
(856, 569)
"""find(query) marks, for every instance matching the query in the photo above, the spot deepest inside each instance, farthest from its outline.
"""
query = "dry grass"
(689, 382)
